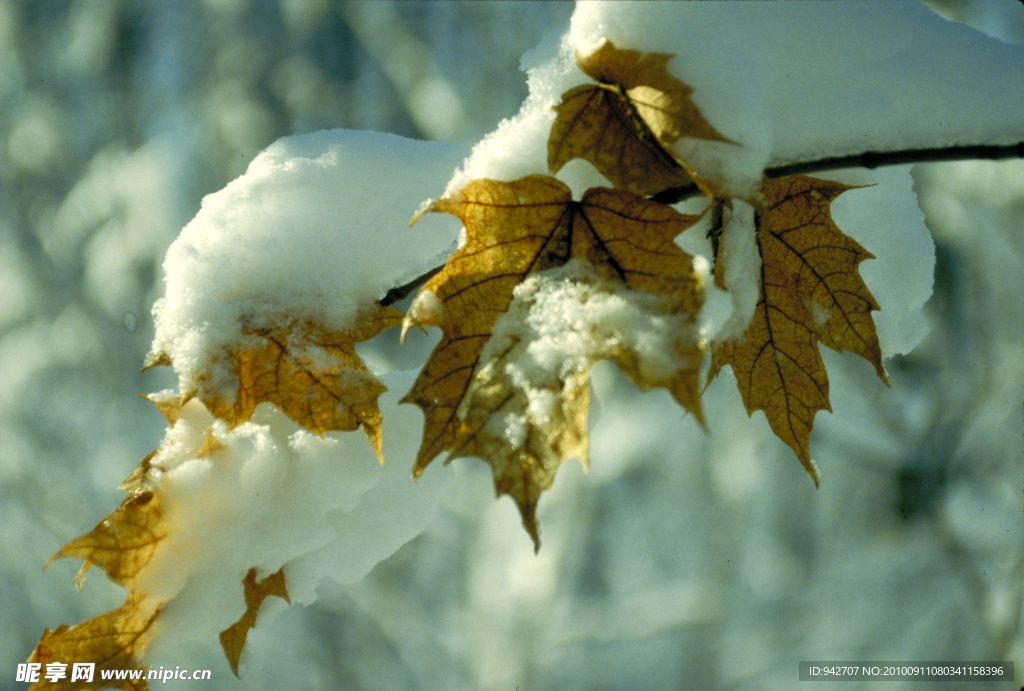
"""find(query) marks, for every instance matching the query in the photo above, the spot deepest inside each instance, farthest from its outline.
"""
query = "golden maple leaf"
(232, 639)
(113, 641)
(546, 437)
(810, 291)
(626, 124)
(312, 374)
(514, 230)
(123, 542)
(525, 409)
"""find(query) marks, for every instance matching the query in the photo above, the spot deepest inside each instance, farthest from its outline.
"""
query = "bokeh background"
(681, 561)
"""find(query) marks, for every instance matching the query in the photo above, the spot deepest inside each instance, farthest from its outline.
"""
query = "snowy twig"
(868, 159)
(877, 159)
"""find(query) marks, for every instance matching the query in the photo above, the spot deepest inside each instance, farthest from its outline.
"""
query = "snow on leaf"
(524, 459)
(810, 292)
(233, 638)
(113, 641)
(515, 230)
(626, 124)
(526, 407)
(311, 373)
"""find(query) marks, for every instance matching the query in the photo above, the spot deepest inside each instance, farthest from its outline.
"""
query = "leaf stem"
(401, 292)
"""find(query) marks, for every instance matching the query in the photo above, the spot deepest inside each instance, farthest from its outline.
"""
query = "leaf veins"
(113, 641)
(810, 291)
(514, 230)
(123, 542)
(626, 124)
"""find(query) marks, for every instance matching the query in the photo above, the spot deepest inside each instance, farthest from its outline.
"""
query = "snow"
(797, 81)
(742, 264)
(518, 147)
(788, 81)
(886, 221)
(273, 496)
(316, 228)
(848, 77)
(559, 324)
(567, 318)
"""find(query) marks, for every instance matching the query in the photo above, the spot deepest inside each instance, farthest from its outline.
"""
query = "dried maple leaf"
(559, 432)
(514, 230)
(525, 409)
(810, 291)
(123, 542)
(626, 124)
(233, 638)
(311, 373)
(113, 641)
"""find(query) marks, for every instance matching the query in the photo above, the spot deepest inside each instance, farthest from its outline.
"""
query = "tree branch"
(868, 159)
(877, 159)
